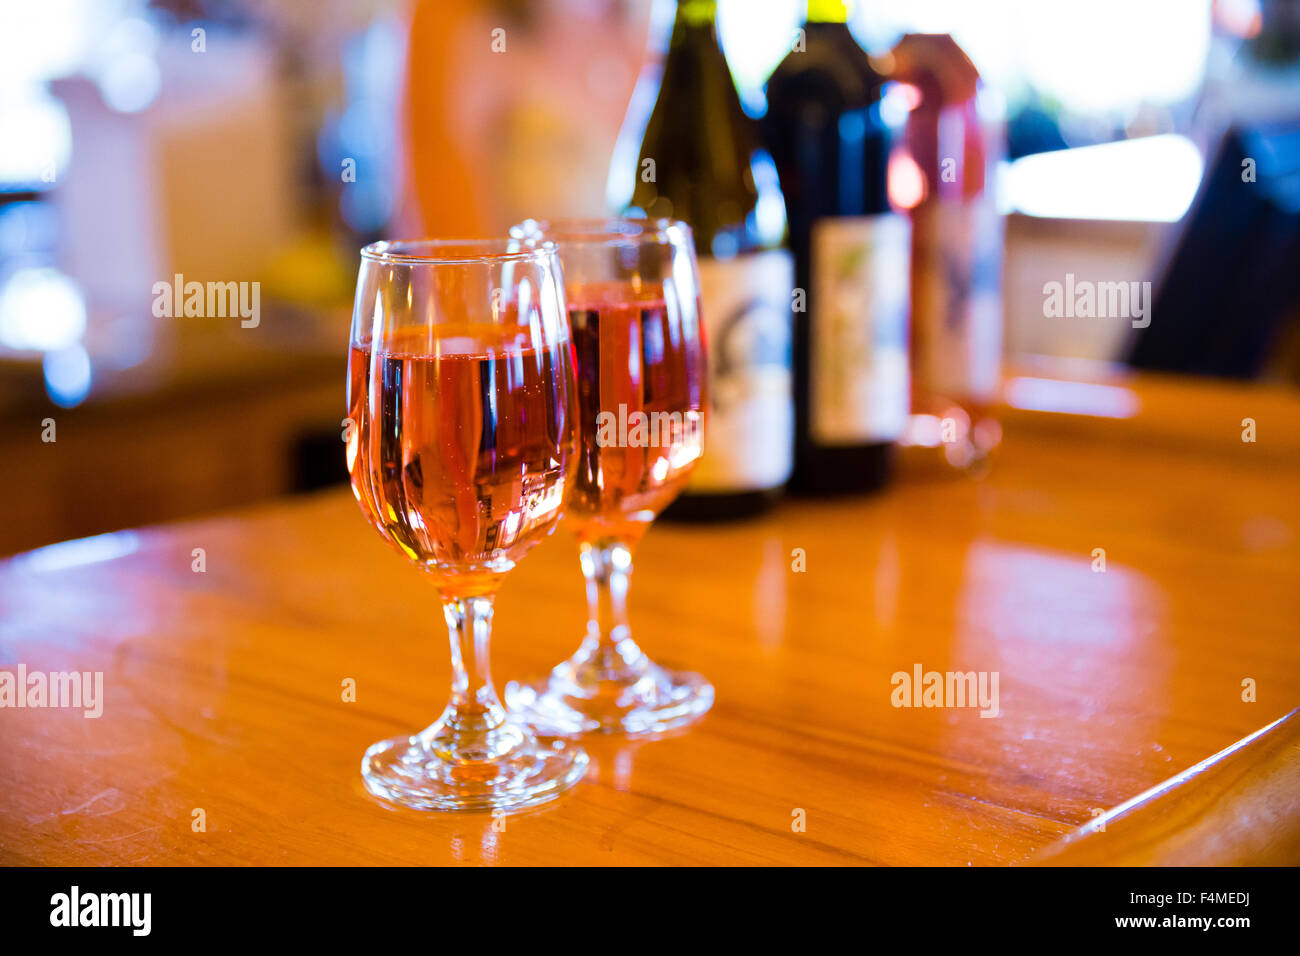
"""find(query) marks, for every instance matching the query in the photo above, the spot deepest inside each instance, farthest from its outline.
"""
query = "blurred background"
(266, 140)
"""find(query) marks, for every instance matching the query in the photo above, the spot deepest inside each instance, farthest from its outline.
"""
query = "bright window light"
(1151, 179)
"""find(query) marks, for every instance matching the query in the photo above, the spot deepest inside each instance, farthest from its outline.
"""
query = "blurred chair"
(1231, 285)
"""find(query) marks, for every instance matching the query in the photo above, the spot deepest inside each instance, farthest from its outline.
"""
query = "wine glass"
(632, 288)
(463, 442)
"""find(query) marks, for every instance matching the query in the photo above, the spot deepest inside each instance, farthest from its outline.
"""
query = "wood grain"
(223, 688)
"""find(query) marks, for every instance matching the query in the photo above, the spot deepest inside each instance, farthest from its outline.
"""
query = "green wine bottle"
(701, 161)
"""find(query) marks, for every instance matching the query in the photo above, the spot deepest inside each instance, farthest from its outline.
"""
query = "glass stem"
(473, 728)
(607, 566)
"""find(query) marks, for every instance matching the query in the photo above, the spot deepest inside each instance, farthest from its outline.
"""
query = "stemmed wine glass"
(463, 443)
(632, 288)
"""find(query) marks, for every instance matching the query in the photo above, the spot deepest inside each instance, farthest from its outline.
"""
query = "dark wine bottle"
(825, 130)
(701, 161)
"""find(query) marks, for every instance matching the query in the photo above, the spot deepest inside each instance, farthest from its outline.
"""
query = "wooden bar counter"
(226, 737)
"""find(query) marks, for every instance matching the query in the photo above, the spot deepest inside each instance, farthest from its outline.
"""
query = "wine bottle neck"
(696, 13)
(827, 11)
(695, 34)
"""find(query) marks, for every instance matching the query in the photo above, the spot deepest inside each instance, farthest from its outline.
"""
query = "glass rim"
(498, 249)
(590, 230)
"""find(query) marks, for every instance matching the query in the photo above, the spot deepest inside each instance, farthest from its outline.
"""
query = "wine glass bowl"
(462, 442)
(632, 290)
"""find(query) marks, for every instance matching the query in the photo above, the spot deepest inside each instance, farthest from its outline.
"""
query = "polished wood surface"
(224, 688)
(1240, 807)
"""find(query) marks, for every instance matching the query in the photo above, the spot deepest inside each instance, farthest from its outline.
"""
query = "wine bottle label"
(749, 436)
(858, 380)
(957, 318)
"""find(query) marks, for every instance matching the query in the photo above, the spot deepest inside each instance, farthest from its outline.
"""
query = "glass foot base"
(651, 700)
(411, 772)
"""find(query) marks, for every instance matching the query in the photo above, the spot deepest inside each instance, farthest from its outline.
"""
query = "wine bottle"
(954, 134)
(701, 161)
(824, 128)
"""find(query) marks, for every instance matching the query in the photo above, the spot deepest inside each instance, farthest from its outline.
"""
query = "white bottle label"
(749, 435)
(957, 323)
(858, 381)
